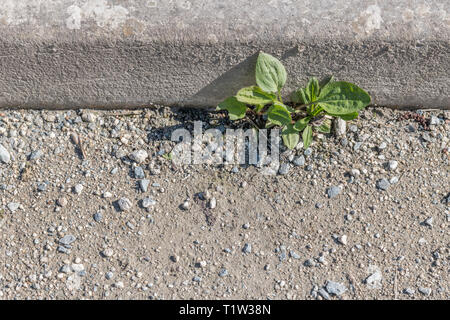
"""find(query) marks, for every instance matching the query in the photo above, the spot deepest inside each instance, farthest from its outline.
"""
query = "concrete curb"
(121, 53)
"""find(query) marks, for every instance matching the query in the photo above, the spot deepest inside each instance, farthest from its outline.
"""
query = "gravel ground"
(360, 215)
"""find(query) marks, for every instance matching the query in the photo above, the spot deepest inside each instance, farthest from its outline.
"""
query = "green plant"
(311, 109)
(168, 156)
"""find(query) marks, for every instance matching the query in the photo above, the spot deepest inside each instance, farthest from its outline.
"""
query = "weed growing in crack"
(311, 110)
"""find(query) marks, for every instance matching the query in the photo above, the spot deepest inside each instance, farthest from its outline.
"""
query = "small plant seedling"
(168, 156)
(312, 107)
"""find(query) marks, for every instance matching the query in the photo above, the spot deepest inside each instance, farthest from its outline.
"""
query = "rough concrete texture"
(120, 53)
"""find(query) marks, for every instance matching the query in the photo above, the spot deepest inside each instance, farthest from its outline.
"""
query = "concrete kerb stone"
(118, 53)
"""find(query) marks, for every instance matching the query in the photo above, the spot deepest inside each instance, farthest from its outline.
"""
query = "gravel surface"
(92, 207)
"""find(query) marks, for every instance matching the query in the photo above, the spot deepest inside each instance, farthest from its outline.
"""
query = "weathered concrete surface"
(123, 53)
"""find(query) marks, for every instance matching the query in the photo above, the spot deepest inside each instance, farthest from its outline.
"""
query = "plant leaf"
(326, 81)
(346, 117)
(290, 136)
(299, 96)
(236, 110)
(302, 123)
(254, 96)
(289, 109)
(341, 98)
(312, 90)
(270, 73)
(307, 137)
(279, 115)
(325, 127)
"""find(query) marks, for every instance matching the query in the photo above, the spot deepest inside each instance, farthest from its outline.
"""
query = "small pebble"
(138, 156)
(382, 184)
(124, 204)
(333, 191)
(107, 253)
(5, 157)
(78, 188)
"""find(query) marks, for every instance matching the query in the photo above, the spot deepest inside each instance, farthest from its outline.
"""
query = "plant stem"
(279, 96)
(317, 110)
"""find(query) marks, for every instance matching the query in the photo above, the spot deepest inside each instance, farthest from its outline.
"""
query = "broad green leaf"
(290, 136)
(270, 73)
(279, 115)
(254, 96)
(278, 103)
(346, 117)
(307, 137)
(326, 81)
(325, 127)
(299, 96)
(341, 98)
(236, 110)
(312, 90)
(302, 123)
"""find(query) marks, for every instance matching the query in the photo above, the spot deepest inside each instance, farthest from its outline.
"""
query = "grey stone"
(5, 157)
(139, 173)
(335, 288)
(435, 120)
(212, 203)
(392, 165)
(309, 263)
(62, 249)
(78, 188)
(333, 191)
(41, 187)
(429, 221)
(223, 272)
(35, 155)
(13, 206)
(409, 291)
(65, 269)
(124, 204)
(247, 248)
(425, 291)
(340, 126)
(107, 253)
(284, 168)
(393, 180)
(324, 294)
(143, 184)
(299, 161)
(382, 146)
(383, 184)
(374, 280)
(67, 240)
(308, 152)
(138, 156)
(148, 202)
(353, 128)
(77, 267)
(98, 216)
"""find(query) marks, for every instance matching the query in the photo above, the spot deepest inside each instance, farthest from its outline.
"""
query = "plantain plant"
(312, 107)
